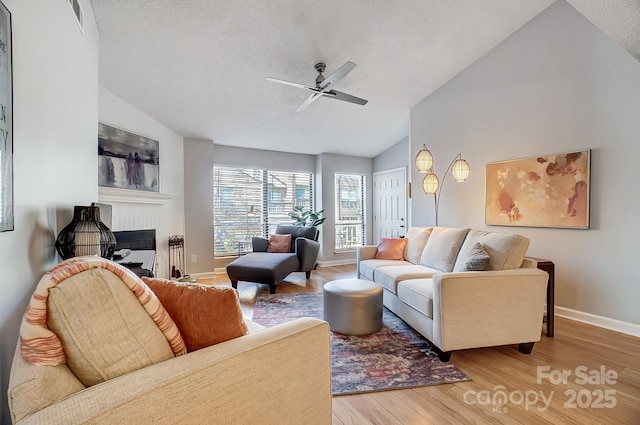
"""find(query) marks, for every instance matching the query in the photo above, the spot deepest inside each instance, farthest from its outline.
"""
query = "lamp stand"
(436, 196)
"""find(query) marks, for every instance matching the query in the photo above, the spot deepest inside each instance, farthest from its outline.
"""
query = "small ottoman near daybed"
(262, 267)
(353, 306)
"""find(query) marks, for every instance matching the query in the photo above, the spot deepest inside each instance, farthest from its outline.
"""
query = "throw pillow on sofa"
(103, 328)
(416, 240)
(279, 243)
(205, 315)
(391, 249)
(442, 248)
(476, 260)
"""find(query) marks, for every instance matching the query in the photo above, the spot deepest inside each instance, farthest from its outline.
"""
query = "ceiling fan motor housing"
(320, 67)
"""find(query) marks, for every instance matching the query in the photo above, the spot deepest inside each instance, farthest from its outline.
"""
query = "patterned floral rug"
(395, 357)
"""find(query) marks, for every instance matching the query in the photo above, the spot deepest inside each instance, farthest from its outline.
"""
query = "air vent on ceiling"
(77, 12)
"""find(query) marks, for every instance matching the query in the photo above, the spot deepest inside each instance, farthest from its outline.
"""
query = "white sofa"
(456, 309)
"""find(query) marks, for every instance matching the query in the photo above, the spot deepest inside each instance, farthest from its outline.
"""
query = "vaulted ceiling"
(199, 66)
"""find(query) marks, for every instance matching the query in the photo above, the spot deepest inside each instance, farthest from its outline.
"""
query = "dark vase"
(85, 235)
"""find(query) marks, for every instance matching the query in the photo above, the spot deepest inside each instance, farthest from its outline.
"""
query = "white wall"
(55, 105)
(268, 160)
(198, 205)
(327, 165)
(397, 156)
(165, 215)
(557, 85)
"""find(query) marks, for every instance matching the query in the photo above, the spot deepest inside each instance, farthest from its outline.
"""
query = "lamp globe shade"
(460, 170)
(430, 183)
(424, 160)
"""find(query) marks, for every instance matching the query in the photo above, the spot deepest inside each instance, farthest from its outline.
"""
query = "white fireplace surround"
(137, 210)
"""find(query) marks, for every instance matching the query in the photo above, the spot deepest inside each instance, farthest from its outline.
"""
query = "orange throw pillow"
(279, 243)
(205, 315)
(391, 248)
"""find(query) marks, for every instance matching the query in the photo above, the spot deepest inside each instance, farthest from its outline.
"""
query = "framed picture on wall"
(543, 191)
(127, 160)
(6, 121)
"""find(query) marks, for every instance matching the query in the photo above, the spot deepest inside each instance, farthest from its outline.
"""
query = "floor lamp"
(430, 183)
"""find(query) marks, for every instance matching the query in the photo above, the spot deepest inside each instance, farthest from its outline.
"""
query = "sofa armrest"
(263, 377)
(307, 251)
(366, 252)
(259, 244)
(489, 308)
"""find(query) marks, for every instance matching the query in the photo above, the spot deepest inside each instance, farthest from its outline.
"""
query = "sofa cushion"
(279, 243)
(418, 294)
(391, 249)
(104, 330)
(388, 277)
(416, 240)
(506, 250)
(474, 260)
(368, 267)
(205, 315)
(442, 248)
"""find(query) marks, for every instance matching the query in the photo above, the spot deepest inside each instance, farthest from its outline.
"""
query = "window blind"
(251, 202)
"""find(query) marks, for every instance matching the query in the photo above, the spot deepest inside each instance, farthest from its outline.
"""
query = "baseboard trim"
(206, 275)
(600, 321)
(336, 262)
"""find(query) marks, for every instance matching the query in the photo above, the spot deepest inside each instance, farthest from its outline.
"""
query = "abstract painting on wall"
(544, 191)
(126, 160)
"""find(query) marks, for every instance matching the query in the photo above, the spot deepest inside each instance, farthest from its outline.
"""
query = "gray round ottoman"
(353, 306)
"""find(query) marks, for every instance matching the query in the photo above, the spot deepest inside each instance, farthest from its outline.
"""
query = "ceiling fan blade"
(337, 75)
(334, 94)
(309, 101)
(289, 83)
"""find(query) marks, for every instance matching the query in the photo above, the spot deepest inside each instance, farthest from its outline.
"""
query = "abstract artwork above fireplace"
(127, 160)
(543, 191)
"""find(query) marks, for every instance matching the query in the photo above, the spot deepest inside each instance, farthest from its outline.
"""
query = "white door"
(389, 204)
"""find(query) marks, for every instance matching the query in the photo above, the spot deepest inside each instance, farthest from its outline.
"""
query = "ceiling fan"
(324, 86)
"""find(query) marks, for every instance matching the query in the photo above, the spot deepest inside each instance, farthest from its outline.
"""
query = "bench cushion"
(368, 267)
(389, 277)
(417, 293)
(262, 267)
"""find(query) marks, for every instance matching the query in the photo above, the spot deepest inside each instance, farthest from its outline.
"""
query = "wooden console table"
(550, 268)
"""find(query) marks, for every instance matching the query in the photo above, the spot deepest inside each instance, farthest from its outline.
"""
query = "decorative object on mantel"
(430, 183)
(6, 121)
(127, 160)
(176, 256)
(85, 235)
(543, 191)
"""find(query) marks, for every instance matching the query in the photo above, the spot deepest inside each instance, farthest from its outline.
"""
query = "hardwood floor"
(579, 349)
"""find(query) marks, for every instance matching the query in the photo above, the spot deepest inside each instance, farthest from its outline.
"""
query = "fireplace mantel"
(110, 194)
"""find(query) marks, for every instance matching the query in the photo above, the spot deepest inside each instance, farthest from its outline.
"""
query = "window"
(349, 211)
(250, 202)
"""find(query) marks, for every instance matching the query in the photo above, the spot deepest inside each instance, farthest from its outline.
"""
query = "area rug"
(395, 357)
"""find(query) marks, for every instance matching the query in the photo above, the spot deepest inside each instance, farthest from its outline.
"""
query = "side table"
(550, 268)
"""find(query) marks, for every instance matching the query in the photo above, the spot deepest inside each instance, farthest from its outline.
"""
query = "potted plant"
(307, 218)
